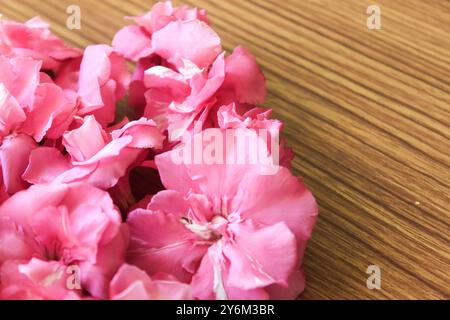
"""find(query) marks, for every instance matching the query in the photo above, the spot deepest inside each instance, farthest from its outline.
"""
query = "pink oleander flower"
(94, 155)
(30, 102)
(33, 39)
(32, 108)
(189, 93)
(225, 228)
(134, 41)
(131, 283)
(48, 228)
(182, 73)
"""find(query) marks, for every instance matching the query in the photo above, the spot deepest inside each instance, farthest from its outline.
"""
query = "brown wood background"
(368, 115)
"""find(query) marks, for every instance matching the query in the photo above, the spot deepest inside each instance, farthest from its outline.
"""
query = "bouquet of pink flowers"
(167, 182)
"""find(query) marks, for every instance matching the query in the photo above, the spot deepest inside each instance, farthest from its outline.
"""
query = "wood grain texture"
(366, 111)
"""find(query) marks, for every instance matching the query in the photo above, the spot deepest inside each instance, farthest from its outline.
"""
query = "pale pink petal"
(83, 143)
(133, 42)
(144, 132)
(162, 78)
(21, 77)
(192, 40)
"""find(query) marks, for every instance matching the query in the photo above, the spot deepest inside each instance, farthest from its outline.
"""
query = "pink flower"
(131, 283)
(134, 42)
(230, 231)
(34, 39)
(47, 228)
(190, 93)
(94, 155)
(31, 103)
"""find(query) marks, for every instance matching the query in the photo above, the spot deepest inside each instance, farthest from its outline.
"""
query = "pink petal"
(144, 132)
(84, 142)
(102, 81)
(192, 40)
(296, 286)
(269, 199)
(133, 42)
(209, 282)
(50, 109)
(14, 244)
(131, 283)
(35, 280)
(11, 114)
(244, 77)
(260, 256)
(34, 39)
(14, 155)
(173, 83)
(21, 77)
(160, 243)
(97, 277)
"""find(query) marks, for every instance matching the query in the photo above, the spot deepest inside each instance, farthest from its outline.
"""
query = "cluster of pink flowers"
(93, 204)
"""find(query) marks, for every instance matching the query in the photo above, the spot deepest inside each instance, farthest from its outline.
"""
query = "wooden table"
(367, 113)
